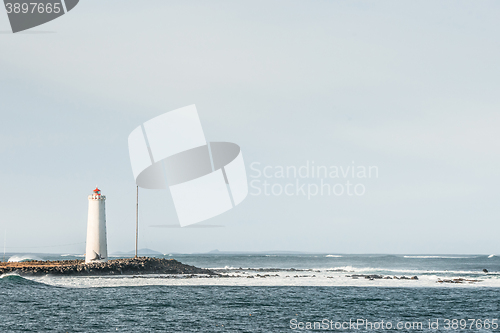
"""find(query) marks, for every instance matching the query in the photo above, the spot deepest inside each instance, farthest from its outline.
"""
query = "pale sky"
(409, 87)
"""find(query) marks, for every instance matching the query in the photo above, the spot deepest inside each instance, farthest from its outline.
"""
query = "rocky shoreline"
(128, 266)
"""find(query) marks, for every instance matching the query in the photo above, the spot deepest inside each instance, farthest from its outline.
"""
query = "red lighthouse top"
(97, 190)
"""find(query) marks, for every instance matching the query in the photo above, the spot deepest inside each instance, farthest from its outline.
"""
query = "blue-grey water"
(320, 289)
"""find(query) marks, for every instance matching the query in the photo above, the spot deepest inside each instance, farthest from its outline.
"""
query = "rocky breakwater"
(129, 266)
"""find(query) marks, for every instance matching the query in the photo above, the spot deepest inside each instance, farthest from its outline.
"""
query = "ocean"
(265, 293)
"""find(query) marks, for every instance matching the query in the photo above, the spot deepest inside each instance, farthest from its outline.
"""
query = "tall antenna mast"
(137, 221)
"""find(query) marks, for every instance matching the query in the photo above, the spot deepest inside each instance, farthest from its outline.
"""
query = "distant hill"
(139, 252)
(255, 252)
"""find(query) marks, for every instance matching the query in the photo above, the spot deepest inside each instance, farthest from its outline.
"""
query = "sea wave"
(388, 271)
(15, 280)
(5, 276)
(21, 258)
(11, 279)
(435, 257)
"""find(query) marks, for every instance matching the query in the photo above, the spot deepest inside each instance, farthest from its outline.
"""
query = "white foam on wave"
(389, 271)
(284, 275)
(19, 258)
(356, 270)
(333, 256)
(342, 268)
(258, 279)
(230, 268)
(491, 256)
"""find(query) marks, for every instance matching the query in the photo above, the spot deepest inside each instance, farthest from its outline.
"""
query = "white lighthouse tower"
(97, 248)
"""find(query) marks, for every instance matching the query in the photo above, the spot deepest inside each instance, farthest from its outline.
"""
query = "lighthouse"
(97, 248)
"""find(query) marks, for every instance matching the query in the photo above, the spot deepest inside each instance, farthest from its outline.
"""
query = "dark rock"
(369, 277)
(142, 265)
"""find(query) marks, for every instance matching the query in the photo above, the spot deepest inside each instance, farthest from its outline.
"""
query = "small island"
(128, 266)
